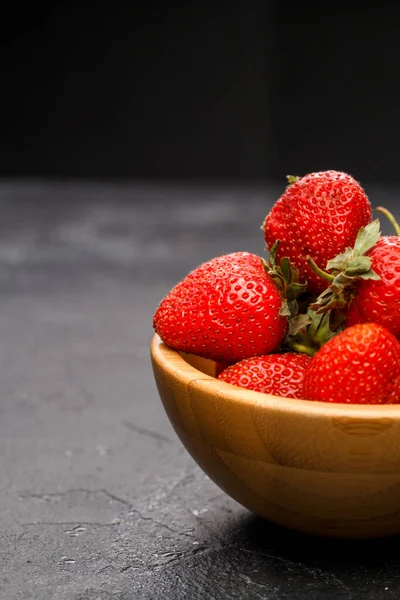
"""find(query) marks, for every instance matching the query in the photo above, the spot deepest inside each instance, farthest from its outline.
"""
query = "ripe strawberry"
(226, 309)
(379, 300)
(346, 271)
(365, 280)
(318, 215)
(360, 365)
(277, 374)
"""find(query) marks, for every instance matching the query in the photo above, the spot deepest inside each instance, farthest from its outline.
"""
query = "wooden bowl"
(325, 469)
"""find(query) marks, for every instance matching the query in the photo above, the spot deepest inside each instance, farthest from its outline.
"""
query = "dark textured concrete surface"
(98, 499)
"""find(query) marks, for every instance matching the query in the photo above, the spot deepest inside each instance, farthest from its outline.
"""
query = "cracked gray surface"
(98, 500)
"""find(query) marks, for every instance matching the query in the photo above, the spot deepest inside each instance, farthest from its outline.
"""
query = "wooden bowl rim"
(174, 364)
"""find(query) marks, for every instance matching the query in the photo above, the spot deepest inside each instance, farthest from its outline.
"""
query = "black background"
(225, 90)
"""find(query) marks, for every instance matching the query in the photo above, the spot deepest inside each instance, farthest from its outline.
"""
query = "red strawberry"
(318, 215)
(360, 365)
(365, 280)
(226, 309)
(379, 300)
(277, 374)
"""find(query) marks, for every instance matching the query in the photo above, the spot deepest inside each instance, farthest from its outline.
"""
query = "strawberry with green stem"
(343, 271)
(365, 280)
(318, 215)
(378, 300)
(307, 331)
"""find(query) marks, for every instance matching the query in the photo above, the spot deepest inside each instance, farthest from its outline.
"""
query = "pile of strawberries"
(319, 319)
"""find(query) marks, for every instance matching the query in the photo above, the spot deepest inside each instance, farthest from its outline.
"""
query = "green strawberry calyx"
(343, 271)
(307, 333)
(285, 276)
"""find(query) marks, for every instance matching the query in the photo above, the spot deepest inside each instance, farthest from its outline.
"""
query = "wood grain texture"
(325, 469)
